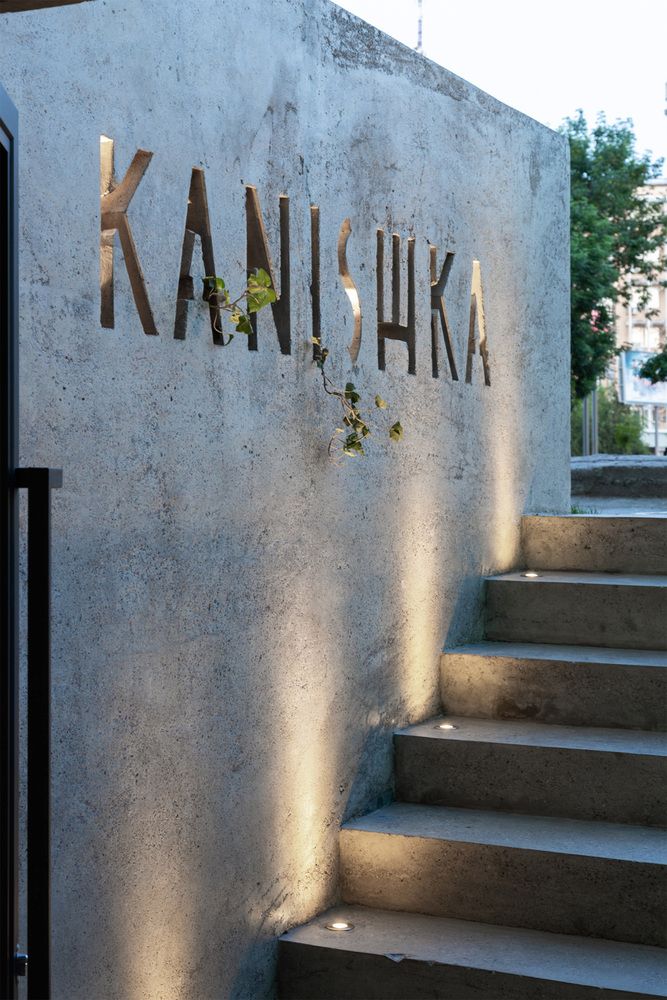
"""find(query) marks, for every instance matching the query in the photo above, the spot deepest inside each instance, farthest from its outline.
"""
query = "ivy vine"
(349, 440)
(355, 428)
(257, 294)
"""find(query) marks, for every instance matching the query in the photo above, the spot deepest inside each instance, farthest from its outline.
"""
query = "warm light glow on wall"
(503, 537)
(420, 575)
(157, 912)
(306, 766)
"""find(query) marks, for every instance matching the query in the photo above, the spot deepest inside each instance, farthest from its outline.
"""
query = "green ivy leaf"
(261, 278)
(259, 298)
(352, 446)
(244, 325)
(351, 393)
(396, 431)
(380, 403)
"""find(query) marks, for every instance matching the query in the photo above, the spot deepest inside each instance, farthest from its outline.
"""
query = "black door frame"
(38, 483)
(8, 546)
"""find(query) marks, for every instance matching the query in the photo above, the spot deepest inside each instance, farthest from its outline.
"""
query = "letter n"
(258, 256)
(114, 202)
(477, 312)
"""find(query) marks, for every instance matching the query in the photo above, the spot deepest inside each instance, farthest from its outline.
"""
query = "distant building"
(646, 329)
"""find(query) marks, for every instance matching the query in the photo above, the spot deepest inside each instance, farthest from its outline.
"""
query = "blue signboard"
(634, 389)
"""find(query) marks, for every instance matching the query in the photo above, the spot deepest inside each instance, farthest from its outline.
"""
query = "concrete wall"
(240, 623)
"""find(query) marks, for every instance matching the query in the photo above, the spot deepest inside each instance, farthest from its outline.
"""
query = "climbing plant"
(350, 440)
(257, 294)
(355, 429)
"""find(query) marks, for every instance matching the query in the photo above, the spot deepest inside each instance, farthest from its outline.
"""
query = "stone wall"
(239, 623)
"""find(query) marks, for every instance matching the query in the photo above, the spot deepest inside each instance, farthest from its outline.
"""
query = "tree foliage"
(655, 368)
(615, 231)
(620, 426)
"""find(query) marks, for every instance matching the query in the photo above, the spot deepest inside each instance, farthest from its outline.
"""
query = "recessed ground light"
(530, 574)
(339, 925)
(446, 725)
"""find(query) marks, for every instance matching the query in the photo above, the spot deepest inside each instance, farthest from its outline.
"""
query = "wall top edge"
(17, 6)
(369, 47)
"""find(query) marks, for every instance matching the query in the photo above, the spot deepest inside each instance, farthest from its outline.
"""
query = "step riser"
(563, 893)
(643, 478)
(555, 691)
(596, 544)
(572, 613)
(543, 781)
(309, 973)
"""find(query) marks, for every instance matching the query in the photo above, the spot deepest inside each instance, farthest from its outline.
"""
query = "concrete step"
(620, 544)
(567, 685)
(561, 875)
(589, 609)
(406, 956)
(632, 476)
(615, 775)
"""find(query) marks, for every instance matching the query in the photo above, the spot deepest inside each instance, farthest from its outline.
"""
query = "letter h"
(394, 330)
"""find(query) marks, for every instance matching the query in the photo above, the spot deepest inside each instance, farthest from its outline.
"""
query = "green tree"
(615, 232)
(619, 426)
(655, 368)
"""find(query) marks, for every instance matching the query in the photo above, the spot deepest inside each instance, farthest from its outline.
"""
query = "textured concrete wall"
(239, 624)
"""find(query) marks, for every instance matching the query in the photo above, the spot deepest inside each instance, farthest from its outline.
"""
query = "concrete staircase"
(524, 856)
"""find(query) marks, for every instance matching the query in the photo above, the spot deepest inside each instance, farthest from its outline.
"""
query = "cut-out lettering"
(258, 256)
(315, 278)
(350, 288)
(439, 312)
(114, 202)
(197, 223)
(477, 312)
(394, 330)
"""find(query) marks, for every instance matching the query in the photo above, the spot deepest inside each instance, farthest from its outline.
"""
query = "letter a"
(197, 223)
(114, 202)
(477, 310)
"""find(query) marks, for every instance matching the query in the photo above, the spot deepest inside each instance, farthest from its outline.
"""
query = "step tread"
(599, 655)
(583, 577)
(611, 965)
(541, 734)
(549, 834)
(641, 518)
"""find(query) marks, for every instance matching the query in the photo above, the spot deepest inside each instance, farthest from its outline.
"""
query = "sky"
(548, 59)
